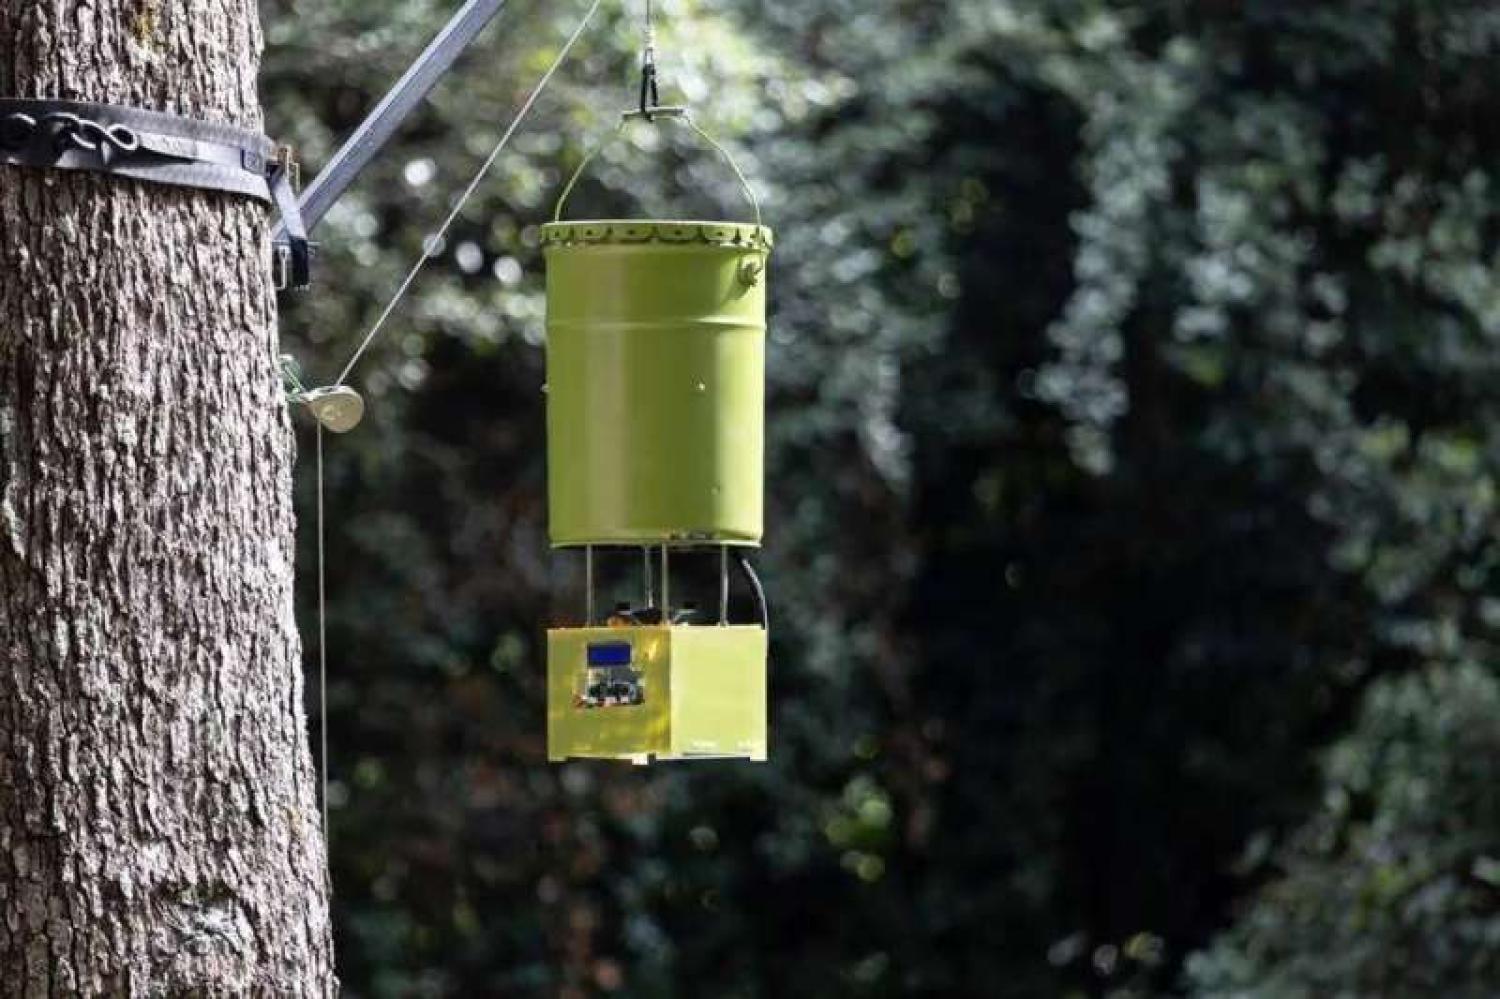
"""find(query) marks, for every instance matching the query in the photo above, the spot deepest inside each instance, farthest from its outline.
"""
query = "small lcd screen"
(610, 654)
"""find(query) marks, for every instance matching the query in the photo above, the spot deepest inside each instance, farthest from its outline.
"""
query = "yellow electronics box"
(645, 693)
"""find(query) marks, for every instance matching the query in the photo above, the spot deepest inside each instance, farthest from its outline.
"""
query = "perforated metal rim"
(735, 235)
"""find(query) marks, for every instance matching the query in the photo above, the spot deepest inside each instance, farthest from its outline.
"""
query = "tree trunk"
(158, 824)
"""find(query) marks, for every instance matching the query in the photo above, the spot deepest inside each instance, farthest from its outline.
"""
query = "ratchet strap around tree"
(161, 148)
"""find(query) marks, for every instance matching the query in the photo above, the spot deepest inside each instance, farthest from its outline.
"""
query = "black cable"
(760, 591)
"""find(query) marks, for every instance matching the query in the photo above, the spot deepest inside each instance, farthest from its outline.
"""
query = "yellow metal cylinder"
(656, 382)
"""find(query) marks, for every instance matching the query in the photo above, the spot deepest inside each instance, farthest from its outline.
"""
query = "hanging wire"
(430, 245)
(323, 655)
(428, 250)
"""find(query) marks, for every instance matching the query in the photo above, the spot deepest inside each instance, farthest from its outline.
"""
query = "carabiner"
(650, 92)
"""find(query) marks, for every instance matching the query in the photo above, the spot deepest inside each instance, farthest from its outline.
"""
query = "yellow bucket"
(656, 378)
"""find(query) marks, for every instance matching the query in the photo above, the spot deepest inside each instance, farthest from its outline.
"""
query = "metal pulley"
(337, 407)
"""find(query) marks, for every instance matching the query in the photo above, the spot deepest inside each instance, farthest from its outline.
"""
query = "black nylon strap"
(159, 148)
(151, 146)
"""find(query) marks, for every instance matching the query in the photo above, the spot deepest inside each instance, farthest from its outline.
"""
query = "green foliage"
(1132, 444)
(1391, 888)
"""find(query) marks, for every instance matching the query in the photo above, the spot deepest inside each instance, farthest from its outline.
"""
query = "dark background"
(1132, 487)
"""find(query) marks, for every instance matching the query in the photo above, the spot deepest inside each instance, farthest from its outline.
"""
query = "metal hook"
(16, 131)
(650, 91)
(650, 87)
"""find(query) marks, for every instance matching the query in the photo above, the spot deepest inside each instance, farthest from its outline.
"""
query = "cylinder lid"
(734, 235)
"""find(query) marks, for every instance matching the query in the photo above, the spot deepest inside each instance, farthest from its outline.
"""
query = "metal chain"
(66, 131)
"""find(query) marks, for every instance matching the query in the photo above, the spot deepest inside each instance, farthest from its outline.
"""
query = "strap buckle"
(291, 258)
(281, 266)
(285, 268)
(286, 158)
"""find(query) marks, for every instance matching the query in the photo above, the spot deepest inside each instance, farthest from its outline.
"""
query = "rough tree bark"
(158, 828)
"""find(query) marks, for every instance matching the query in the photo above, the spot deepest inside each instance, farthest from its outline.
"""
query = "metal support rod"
(646, 572)
(666, 582)
(723, 586)
(376, 130)
(588, 586)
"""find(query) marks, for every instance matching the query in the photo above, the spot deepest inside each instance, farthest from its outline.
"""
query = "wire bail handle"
(651, 116)
(650, 110)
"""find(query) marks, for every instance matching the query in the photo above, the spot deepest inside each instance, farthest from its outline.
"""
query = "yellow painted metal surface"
(686, 693)
(656, 382)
